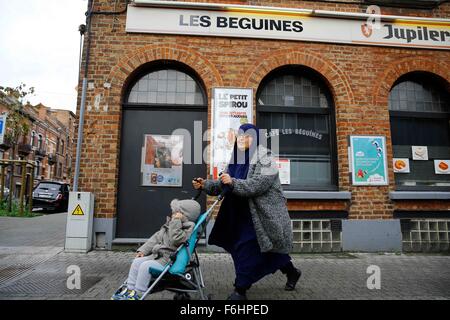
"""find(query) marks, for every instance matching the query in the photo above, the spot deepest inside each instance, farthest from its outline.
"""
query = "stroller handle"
(197, 195)
(225, 190)
(222, 194)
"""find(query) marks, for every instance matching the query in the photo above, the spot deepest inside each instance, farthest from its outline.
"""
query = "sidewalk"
(40, 273)
(33, 265)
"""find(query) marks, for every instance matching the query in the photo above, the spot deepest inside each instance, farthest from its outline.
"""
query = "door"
(141, 210)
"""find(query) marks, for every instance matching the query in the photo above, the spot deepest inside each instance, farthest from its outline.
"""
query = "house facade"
(359, 104)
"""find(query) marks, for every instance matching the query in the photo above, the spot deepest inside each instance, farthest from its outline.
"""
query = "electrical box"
(80, 216)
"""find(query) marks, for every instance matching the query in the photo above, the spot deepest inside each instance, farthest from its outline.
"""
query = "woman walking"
(253, 223)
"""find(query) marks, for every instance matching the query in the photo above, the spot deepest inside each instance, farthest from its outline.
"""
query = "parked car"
(51, 196)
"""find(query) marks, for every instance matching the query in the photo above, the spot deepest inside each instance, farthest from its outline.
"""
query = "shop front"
(357, 114)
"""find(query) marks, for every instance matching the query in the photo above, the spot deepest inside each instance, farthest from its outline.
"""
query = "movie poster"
(232, 107)
(162, 160)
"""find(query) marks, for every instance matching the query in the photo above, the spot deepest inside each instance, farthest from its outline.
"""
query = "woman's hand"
(139, 254)
(198, 183)
(226, 179)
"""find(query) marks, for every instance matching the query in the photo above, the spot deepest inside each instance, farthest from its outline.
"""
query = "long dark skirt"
(234, 231)
(251, 264)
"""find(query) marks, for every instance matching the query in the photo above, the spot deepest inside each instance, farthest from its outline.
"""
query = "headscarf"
(233, 223)
(240, 160)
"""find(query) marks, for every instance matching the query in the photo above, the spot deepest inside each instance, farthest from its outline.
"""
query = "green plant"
(17, 121)
(15, 210)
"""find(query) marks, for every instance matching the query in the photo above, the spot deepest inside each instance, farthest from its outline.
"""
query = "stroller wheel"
(181, 296)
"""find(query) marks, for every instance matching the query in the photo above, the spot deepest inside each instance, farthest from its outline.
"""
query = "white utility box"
(80, 216)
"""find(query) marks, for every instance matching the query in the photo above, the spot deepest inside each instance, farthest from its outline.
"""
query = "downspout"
(89, 15)
(83, 97)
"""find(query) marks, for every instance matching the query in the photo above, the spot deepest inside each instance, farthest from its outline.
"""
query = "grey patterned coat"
(266, 201)
(166, 241)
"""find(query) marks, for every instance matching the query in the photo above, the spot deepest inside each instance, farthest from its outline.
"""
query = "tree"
(16, 123)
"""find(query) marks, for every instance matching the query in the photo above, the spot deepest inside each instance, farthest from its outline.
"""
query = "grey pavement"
(33, 265)
(42, 231)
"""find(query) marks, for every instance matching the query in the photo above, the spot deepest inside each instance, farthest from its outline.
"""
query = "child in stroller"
(156, 252)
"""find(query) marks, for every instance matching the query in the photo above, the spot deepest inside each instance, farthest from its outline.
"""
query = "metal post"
(11, 185)
(23, 186)
(83, 98)
(80, 136)
(2, 179)
(30, 199)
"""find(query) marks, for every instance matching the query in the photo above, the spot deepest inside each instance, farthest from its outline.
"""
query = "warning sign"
(78, 211)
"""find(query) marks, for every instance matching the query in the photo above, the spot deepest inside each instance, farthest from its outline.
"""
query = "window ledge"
(419, 195)
(318, 195)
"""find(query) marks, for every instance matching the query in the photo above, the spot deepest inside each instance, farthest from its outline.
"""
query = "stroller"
(182, 274)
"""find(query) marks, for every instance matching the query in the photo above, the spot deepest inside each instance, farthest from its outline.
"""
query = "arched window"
(166, 86)
(33, 138)
(40, 141)
(37, 168)
(57, 145)
(419, 108)
(294, 104)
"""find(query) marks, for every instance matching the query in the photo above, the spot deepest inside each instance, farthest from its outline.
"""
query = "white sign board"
(281, 25)
(232, 107)
(284, 170)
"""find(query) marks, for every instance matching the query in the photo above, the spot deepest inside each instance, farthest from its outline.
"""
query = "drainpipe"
(83, 96)
(82, 30)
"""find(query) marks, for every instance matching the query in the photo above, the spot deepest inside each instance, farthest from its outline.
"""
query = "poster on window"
(419, 152)
(284, 170)
(232, 107)
(368, 154)
(442, 166)
(162, 160)
(401, 165)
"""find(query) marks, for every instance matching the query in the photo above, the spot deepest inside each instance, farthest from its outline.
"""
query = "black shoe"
(236, 296)
(292, 279)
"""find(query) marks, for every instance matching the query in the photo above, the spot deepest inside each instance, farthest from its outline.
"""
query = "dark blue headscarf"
(240, 160)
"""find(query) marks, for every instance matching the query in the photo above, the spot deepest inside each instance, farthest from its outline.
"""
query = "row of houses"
(48, 144)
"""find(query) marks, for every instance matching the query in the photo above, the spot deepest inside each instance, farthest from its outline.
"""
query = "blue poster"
(368, 156)
(2, 127)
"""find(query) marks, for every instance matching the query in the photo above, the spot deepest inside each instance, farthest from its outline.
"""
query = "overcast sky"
(39, 46)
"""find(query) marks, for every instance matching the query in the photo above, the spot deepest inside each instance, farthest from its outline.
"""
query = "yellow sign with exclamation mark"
(78, 211)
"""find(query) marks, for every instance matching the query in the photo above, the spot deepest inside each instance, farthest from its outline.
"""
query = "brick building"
(48, 143)
(317, 66)
(53, 132)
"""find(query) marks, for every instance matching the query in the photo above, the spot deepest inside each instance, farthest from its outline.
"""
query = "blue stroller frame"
(182, 274)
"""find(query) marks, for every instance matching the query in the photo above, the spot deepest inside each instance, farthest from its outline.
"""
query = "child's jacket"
(164, 242)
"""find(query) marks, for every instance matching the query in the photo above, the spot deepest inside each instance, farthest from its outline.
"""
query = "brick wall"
(359, 78)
